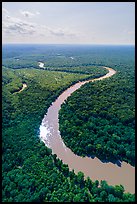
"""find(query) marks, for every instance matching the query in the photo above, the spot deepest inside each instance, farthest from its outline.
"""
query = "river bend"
(94, 168)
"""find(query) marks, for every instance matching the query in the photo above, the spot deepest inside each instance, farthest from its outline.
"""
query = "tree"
(80, 178)
(103, 195)
(111, 198)
(77, 198)
(89, 183)
(118, 191)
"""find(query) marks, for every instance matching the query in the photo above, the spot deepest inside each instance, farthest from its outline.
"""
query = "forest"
(104, 121)
(30, 172)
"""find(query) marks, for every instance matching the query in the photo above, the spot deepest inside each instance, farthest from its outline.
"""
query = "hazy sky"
(68, 22)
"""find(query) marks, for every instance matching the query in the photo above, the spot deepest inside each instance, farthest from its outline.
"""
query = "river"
(23, 87)
(94, 168)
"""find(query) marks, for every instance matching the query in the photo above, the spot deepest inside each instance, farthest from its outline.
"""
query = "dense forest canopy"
(104, 121)
(54, 56)
(30, 172)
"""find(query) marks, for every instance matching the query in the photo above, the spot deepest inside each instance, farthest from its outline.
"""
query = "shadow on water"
(117, 162)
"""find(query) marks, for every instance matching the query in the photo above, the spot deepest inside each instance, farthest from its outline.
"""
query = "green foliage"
(99, 118)
(30, 172)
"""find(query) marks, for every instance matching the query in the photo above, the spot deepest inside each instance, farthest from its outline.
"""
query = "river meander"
(23, 87)
(94, 168)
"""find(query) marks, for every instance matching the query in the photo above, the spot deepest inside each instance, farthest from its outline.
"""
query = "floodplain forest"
(96, 120)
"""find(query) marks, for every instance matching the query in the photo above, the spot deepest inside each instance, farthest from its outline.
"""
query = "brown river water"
(94, 168)
(23, 87)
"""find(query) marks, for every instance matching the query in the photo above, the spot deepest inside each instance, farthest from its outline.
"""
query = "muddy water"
(23, 87)
(94, 168)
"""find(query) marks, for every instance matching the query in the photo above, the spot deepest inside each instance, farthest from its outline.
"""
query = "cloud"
(61, 33)
(37, 12)
(5, 11)
(5, 14)
(57, 32)
(19, 27)
(29, 14)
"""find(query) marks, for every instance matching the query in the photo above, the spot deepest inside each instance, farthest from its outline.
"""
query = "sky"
(68, 23)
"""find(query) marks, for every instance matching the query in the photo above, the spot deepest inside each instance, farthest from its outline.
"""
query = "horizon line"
(67, 44)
